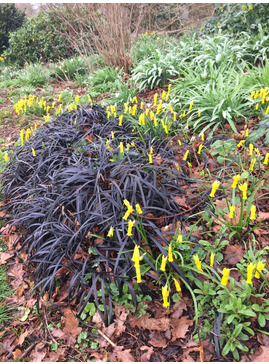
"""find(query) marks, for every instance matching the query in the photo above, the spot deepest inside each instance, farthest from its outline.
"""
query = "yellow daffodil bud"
(257, 106)
(186, 155)
(165, 294)
(202, 137)
(110, 232)
(231, 211)
(130, 227)
(141, 105)
(134, 110)
(260, 267)
(121, 147)
(155, 122)
(136, 256)
(258, 154)
(177, 166)
(191, 105)
(6, 157)
(243, 187)
(253, 212)
(134, 100)
(266, 158)
(175, 116)
(240, 143)
(252, 164)
(170, 254)
(236, 179)
(155, 99)
(77, 98)
(177, 285)
(120, 120)
(22, 134)
(171, 109)
(197, 262)
(150, 158)
(199, 113)
(215, 186)
(212, 259)
(225, 276)
(250, 149)
(200, 148)
(179, 142)
(246, 133)
(147, 112)
(252, 94)
(112, 135)
(163, 94)
(179, 237)
(163, 264)
(138, 209)
(127, 204)
(60, 97)
(189, 164)
(267, 110)
(250, 269)
(33, 152)
(151, 115)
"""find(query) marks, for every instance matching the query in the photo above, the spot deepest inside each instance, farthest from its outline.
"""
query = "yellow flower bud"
(163, 264)
(215, 186)
(197, 262)
(110, 232)
(260, 267)
(250, 269)
(165, 293)
(170, 254)
(225, 276)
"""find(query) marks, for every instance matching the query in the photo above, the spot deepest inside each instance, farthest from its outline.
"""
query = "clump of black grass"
(73, 190)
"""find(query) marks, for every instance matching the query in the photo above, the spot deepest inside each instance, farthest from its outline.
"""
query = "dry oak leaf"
(263, 356)
(233, 254)
(71, 328)
(4, 257)
(39, 353)
(180, 327)
(56, 356)
(17, 354)
(123, 355)
(57, 333)
(148, 351)
(120, 320)
(145, 322)
(17, 272)
(157, 340)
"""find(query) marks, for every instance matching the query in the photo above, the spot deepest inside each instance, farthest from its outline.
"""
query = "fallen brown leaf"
(157, 340)
(147, 354)
(180, 327)
(233, 254)
(56, 356)
(39, 353)
(57, 333)
(17, 272)
(121, 316)
(22, 337)
(123, 355)
(4, 257)
(17, 354)
(145, 322)
(71, 328)
(263, 356)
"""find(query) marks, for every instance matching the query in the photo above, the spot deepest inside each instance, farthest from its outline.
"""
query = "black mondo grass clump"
(65, 199)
